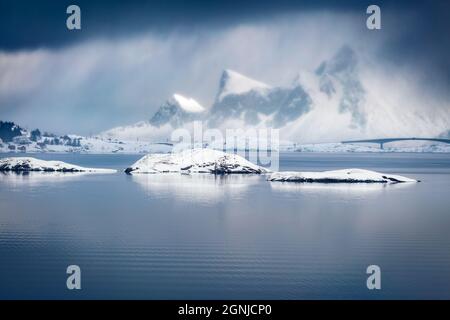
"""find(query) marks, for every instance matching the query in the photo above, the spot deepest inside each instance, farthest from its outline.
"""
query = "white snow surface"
(236, 83)
(188, 104)
(339, 176)
(195, 161)
(21, 164)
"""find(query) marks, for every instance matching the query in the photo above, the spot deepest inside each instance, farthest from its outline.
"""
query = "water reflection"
(196, 187)
(337, 188)
(174, 236)
(33, 179)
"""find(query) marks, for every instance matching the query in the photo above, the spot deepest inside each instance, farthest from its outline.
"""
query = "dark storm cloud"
(419, 29)
(28, 24)
(420, 37)
(131, 55)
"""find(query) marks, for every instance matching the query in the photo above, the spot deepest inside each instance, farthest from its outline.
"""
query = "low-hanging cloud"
(91, 86)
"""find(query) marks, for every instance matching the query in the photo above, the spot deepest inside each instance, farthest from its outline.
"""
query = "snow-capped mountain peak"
(233, 82)
(188, 104)
(176, 111)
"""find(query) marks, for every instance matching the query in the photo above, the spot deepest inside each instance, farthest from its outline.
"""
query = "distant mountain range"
(257, 104)
(330, 104)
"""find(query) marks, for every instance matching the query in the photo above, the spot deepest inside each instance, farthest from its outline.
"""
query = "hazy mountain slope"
(353, 100)
(341, 71)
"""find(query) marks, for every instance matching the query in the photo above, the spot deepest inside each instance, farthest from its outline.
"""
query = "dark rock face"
(164, 114)
(232, 170)
(285, 104)
(128, 170)
(342, 71)
(224, 167)
(9, 130)
(171, 112)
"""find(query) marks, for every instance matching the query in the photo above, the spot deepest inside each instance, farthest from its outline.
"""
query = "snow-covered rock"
(195, 161)
(339, 176)
(21, 164)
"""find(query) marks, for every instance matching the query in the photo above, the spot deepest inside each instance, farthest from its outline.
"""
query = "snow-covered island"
(25, 164)
(339, 176)
(195, 161)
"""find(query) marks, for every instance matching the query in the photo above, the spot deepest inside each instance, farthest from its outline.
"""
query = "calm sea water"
(217, 237)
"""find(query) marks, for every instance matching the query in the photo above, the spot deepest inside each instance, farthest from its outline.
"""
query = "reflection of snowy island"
(339, 176)
(24, 164)
(195, 161)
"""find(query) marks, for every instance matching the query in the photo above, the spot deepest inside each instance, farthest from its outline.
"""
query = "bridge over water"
(382, 141)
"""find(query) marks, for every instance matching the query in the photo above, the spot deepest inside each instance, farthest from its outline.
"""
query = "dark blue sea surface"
(218, 237)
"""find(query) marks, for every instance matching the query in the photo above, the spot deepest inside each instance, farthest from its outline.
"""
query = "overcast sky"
(131, 56)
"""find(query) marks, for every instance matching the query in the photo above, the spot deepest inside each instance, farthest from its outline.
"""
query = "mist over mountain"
(334, 102)
(341, 71)
(339, 99)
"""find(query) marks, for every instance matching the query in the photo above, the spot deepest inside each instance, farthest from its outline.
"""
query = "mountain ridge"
(333, 101)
